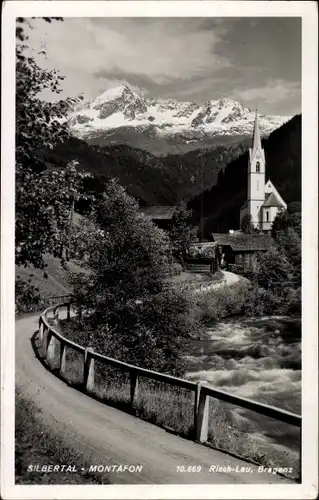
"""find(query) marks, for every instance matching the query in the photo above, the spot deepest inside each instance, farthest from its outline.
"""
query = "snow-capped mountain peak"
(124, 109)
(120, 92)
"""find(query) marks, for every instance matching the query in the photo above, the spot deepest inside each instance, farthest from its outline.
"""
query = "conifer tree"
(246, 224)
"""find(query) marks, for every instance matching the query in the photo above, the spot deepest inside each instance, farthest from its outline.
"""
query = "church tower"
(263, 200)
(256, 177)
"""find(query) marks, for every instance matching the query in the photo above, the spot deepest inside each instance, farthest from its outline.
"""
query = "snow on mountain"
(123, 108)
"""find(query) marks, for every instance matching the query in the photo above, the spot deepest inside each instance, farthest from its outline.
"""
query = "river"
(256, 358)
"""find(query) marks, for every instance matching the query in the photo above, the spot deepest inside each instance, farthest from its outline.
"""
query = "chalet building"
(202, 256)
(241, 249)
(161, 215)
(263, 200)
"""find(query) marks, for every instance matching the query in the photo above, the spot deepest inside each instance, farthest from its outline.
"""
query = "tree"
(274, 272)
(284, 220)
(39, 124)
(289, 243)
(44, 198)
(294, 207)
(131, 312)
(182, 233)
(44, 205)
(246, 224)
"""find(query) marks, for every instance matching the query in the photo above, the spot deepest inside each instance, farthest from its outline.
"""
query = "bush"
(259, 301)
(153, 333)
(244, 298)
(222, 302)
(27, 296)
(294, 302)
(274, 272)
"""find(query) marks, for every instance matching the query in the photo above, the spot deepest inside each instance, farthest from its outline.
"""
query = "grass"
(243, 435)
(37, 444)
(56, 282)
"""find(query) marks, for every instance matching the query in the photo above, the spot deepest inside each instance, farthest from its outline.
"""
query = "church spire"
(256, 136)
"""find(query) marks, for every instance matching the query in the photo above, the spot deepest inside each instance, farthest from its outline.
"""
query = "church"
(263, 200)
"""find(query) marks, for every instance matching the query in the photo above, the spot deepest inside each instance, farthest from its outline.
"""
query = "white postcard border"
(308, 11)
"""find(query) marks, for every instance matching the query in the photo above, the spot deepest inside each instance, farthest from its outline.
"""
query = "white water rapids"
(255, 358)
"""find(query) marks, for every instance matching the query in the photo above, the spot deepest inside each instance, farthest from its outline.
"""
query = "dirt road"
(231, 278)
(112, 437)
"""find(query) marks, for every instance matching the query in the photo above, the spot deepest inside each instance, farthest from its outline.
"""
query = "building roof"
(272, 201)
(241, 242)
(159, 212)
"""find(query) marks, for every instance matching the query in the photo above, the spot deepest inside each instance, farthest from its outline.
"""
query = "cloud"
(183, 58)
(273, 92)
(161, 49)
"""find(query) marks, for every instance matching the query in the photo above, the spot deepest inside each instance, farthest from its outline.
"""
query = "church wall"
(254, 210)
(272, 212)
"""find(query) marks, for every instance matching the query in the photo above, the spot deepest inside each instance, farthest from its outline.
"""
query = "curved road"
(110, 436)
(231, 278)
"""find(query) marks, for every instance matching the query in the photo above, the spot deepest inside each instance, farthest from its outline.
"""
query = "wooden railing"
(55, 300)
(203, 286)
(49, 337)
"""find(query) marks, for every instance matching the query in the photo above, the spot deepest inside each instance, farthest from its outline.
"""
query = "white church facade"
(263, 200)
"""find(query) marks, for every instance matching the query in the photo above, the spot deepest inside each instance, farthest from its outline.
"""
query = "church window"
(267, 216)
(257, 166)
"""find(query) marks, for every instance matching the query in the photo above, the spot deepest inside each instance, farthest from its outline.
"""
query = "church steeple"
(256, 176)
(263, 200)
(256, 146)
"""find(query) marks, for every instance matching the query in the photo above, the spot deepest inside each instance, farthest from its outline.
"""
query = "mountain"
(150, 179)
(221, 203)
(123, 116)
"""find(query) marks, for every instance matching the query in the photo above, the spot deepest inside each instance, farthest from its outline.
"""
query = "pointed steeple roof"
(256, 137)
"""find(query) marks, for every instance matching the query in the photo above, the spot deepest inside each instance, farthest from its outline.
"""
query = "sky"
(256, 61)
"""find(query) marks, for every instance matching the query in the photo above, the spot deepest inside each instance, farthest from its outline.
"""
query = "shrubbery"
(246, 298)
(131, 311)
(219, 303)
(27, 296)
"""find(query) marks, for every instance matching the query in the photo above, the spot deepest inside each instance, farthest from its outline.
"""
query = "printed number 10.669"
(189, 468)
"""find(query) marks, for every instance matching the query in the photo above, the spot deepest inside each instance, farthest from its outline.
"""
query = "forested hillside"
(150, 179)
(221, 203)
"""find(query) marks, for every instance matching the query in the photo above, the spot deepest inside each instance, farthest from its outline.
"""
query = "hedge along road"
(112, 437)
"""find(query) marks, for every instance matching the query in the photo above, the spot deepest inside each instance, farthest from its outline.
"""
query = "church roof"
(272, 201)
(241, 242)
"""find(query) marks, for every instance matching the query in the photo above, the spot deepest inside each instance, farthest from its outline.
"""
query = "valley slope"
(150, 179)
